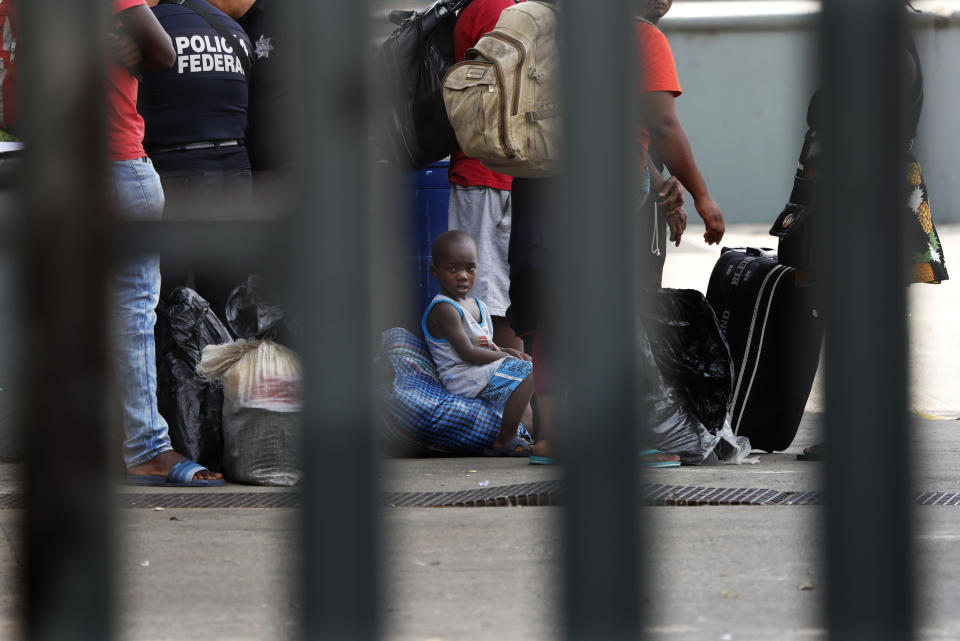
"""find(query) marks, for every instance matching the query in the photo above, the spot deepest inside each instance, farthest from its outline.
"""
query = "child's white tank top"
(457, 375)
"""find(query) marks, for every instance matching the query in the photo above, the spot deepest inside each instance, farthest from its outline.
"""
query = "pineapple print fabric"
(923, 250)
(923, 243)
(924, 246)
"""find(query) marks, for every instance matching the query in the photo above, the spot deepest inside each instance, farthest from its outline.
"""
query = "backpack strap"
(459, 5)
(542, 114)
(222, 30)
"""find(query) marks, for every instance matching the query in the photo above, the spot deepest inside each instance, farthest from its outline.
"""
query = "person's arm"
(125, 50)
(667, 135)
(447, 318)
(677, 223)
(517, 354)
(669, 200)
(669, 191)
(145, 30)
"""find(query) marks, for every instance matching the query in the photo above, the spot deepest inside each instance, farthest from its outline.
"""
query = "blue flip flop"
(182, 474)
(657, 463)
(542, 460)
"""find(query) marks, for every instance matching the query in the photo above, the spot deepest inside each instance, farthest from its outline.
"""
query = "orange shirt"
(656, 71)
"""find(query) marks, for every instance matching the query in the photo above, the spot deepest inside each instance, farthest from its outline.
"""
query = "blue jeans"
(134, 292)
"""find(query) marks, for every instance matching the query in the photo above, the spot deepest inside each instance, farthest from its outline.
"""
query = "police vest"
(203, 97)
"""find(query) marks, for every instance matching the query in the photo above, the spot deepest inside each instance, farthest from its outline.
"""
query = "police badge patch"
(263, 46)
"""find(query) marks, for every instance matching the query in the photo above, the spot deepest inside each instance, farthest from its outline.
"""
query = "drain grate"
(528, 494)
(542, 493)
(208, 499)
(184, 500)
(801, 498)
(678, 495)
(937, 498)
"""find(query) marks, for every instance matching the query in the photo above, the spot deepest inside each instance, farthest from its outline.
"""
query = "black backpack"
(412, 129)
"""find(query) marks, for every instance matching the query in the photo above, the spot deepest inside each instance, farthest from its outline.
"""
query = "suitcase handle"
(750, 251)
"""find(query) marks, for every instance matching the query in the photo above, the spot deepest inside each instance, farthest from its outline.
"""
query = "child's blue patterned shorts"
(509, 375)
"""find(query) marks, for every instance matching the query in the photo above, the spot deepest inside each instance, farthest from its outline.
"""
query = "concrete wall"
(937, 149)
(747, 80)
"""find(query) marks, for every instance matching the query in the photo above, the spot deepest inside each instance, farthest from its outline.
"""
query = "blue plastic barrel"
(431, 197)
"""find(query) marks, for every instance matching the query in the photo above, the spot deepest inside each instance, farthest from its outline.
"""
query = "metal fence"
(67, 235)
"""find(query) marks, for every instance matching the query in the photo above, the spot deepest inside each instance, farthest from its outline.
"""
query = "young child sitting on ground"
(459, 333)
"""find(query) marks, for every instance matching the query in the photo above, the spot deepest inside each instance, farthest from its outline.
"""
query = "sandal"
(510, 448)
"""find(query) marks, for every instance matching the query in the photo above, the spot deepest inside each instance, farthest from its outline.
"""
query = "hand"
(677, 224)
(124, 49)
(517, 354)
(670, 195)
(712, 219)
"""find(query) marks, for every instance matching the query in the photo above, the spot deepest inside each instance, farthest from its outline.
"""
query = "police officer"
(196, 117)
(273, 120)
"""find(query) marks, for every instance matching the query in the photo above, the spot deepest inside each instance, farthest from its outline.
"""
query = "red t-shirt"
(479, 17)
(124, 124)
(656, 71)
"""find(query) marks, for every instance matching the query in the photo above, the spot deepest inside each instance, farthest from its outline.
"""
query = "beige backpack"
(504, 100)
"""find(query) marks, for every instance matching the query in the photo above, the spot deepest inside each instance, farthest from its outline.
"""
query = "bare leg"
(513, 410)
(527, 417)
(549, 405)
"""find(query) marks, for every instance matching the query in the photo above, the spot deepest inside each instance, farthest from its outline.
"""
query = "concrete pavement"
(750, 572)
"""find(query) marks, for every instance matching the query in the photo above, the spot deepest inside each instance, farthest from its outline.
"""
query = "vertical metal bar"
(67, 533)
(340, 519)
(597, 322)
(870, 591)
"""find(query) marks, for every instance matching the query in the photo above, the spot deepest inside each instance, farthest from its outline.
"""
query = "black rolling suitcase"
(774, 333)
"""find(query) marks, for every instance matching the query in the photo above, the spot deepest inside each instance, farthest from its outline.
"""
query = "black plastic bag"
(191, 407)
(689, 378)
(413, 129)
(251, 313)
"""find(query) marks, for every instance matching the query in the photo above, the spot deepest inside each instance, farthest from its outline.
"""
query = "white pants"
(484, 213)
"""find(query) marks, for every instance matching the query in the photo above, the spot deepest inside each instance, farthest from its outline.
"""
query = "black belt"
(190, 146)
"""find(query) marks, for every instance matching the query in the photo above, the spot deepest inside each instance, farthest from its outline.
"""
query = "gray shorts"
(484, 213)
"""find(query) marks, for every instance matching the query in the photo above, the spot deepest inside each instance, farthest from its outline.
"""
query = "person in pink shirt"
(139, 40)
